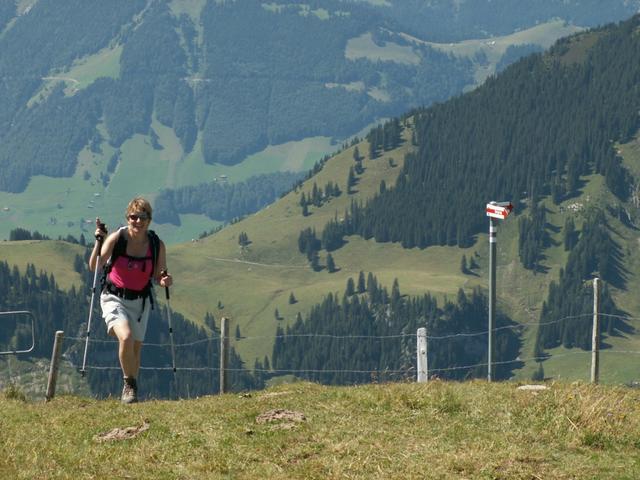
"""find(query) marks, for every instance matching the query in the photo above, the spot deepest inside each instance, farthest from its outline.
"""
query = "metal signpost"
(495, 210)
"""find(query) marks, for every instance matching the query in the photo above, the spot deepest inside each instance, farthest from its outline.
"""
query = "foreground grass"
(435, 430)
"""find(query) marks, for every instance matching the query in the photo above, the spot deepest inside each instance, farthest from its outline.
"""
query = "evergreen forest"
(223, 201)
(524, 134)
(369, 334)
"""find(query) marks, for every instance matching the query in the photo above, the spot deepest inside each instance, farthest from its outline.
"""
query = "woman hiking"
(133, 256)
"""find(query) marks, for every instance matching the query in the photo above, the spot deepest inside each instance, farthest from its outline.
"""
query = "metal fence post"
(55, 364)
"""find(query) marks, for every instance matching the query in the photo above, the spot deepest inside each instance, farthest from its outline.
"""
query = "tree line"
(368, 334)
(565, 318)
(223, 201)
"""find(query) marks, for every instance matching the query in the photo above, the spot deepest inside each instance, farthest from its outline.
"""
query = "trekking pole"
(99, 239)
(173, 351)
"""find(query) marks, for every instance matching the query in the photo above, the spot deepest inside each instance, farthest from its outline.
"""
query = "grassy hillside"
(399, 431)
(53, 257)
(250, 283)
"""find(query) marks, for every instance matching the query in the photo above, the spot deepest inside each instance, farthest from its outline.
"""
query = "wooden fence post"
(595, 336)
(55, 364)
(423, 367)
(224, 354)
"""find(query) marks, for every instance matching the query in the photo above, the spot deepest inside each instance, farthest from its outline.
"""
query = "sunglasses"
(138, 216)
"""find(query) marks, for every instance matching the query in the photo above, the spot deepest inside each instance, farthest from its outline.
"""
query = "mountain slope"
(249, 270)
(525, 133)
(188, 85)
(580, 186)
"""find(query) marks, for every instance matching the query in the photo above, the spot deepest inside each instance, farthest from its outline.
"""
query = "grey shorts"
(116, 309)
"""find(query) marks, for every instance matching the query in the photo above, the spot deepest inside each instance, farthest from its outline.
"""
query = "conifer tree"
(243, 239)
(570, 234)
(351, 180)
(373, 149)
(315, 261)
(361, 284)
(331, 266)
(210, 321)
(395, 292)
(351, 288)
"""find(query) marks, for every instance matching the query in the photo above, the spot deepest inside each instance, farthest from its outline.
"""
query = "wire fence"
(104, 362)
(261, 338)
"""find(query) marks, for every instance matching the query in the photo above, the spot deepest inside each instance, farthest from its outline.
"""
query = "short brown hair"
(139, 204)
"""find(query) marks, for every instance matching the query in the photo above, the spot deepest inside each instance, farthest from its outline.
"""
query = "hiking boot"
(129, 391)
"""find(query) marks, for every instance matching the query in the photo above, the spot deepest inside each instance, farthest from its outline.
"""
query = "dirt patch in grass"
(118, 434)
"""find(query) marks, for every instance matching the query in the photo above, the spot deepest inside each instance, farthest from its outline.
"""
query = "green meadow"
(308, 431)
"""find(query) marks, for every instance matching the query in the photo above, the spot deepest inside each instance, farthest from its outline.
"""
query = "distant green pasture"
(83, 72)
(63, 206)
(364, 47)
(493, 48)
(105, 63)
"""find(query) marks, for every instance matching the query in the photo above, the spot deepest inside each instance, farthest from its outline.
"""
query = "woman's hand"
(165, 279)
(101, 231)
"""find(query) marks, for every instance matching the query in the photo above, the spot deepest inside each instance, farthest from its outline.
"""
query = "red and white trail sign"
(499, 209)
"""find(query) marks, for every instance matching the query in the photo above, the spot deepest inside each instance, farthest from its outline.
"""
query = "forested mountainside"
(223, 201)
(529, 136)
(93, 73)
(531, 131)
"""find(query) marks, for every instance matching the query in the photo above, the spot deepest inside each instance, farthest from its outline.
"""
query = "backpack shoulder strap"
(154, 241)
(120, 248)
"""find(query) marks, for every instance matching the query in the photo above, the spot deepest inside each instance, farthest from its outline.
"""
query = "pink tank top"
(132, 273)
